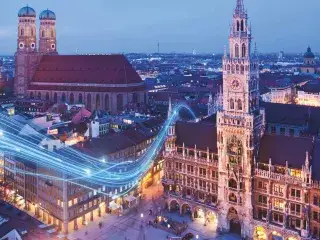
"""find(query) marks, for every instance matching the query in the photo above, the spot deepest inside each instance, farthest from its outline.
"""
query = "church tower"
(26, 55)
(240, 125)
(47, 33)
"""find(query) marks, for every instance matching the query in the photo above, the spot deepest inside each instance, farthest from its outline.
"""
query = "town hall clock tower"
(240, 126)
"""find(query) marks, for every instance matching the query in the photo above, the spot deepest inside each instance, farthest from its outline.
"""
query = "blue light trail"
(81, 169)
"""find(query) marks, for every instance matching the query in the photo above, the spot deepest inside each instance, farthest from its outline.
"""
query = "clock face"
(33, 45)
(235, 84)
(21, 45)
(53, 46)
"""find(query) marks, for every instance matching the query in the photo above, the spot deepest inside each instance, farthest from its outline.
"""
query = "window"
(189, 169)
(295, 193)
(202, 172)
(315, 216)
(263, 199)
(262, 213)
(273, 130)
(262, 185)
(295, 208)
(278, 217)
(295, 173)
(214, 175)
(316, 201)
(236, 49)
(231, 104)
(232, 198)
(202, 185)
(278, 190)
(282, 131)
(295, 223)
(243, 50)
(239, 105)
(278, 204)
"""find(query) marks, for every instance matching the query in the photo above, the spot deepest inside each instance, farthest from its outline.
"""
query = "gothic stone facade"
(235, 173)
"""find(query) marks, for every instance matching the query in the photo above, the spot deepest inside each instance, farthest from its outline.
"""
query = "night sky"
(110, 26)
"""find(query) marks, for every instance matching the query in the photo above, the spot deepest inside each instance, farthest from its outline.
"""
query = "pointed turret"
(170, 108)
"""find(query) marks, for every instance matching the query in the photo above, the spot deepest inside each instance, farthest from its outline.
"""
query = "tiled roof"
(295, 115)
(98, 69)
(284, 148)
(201, 134)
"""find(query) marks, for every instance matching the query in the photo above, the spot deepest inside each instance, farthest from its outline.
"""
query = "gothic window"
(47, 96)
(232, 198)
(236, 49)
(42, 33)
(238, 26)
(97, 101)
(106, 102)
(63, 98)
(237, 68)
(242, 69)
(228, 68)
(239, 104)
(232, 68)
(71, 98)
(88, 103)
(243, 50)
(119, 102)
(242, 26)
(31, 95)
(21, 32)
(231, 104)
(232, 184)
(55, 98)
(80, 100)
(39, 95)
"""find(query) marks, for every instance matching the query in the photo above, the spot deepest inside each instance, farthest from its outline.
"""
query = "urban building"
(106, 82)
(249, 168)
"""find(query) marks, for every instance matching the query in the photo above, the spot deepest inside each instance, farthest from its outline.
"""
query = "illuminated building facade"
(106, 82)
(250, 168)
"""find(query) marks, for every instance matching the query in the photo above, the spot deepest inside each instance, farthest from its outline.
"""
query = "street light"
(197, 236)
(141, 215)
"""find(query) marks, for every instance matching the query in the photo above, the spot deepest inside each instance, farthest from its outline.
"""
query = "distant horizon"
(179, 26)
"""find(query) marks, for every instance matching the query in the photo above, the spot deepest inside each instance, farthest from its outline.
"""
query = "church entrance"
(234, 222)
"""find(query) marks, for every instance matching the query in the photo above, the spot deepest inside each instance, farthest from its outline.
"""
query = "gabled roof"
(202, 134)
(98, 69)
(284, 148)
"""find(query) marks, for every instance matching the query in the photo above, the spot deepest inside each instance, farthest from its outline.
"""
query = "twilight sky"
(103, 26)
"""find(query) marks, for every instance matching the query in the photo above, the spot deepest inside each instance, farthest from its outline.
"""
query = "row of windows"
(238, 102)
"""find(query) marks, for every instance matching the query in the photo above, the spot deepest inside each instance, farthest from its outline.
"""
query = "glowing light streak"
(77, 166)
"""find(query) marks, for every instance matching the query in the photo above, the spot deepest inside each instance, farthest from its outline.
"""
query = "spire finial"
(170, 108)
(225, 51)
(255, 49)
(240, 7)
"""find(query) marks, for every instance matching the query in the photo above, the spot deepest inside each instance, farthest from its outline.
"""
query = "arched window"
(243, 50)
(21, 32)
(238, 26)
(119, 102)
(88, 103)
(80, 100)
(42, 33)
(236, 51)
(228, 68)
(64, 97)
(98, 101)
(232, 68)
(242, 26)
(232, 184)
(135, 98)
(242, 69)
(231, 104)
(47, 96)
(237, 68)
(71, 98)
(239, 104)
(106, 102)
(55, 98)
(31, 95)
(39, 95)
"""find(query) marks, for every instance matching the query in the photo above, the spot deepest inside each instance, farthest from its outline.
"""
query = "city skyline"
(140, 26)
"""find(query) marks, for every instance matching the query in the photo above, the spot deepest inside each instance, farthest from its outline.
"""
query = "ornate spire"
(240, 7)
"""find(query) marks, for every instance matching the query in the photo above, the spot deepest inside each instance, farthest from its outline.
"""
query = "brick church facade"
(106, 82)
